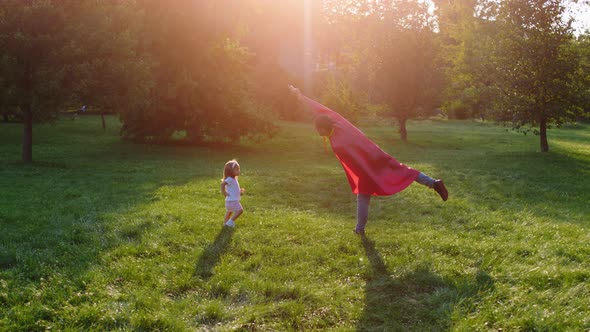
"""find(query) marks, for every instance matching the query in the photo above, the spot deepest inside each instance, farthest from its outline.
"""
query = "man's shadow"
(213, 253)
(417, 301)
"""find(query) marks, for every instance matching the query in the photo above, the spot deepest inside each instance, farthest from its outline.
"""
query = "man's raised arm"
(309, 104)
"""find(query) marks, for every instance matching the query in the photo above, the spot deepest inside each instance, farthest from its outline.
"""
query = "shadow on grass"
(213, 253)
(417, 301)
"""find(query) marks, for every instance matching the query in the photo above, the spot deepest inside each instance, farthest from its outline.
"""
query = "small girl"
(230, 188)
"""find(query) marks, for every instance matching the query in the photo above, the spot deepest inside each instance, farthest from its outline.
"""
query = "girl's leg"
(237, 214)
(226, 217)
(362, 212)
(238, 210)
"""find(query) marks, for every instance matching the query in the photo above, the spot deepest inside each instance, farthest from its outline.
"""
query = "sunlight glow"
(307, 46)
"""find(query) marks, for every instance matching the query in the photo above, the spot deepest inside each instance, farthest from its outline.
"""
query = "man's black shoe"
(440, 188)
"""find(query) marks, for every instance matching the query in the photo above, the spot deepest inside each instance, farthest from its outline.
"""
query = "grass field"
(99, 234)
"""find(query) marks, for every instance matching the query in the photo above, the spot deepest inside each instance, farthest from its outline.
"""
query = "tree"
(51, 56)
(290, 40)
(386, 52)
(582, 45)
(409, 76)
(536, 66)
(31, 40)
(111, 74)
(201, 75)
(467, 36)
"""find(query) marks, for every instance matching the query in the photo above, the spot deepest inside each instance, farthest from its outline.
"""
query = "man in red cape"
(369, 169)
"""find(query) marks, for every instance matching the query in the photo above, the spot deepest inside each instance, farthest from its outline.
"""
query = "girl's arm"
(223, 192)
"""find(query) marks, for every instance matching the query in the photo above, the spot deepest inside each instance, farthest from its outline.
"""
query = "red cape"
(369, 169)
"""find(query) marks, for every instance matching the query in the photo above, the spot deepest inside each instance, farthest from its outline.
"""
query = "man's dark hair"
(323, 122)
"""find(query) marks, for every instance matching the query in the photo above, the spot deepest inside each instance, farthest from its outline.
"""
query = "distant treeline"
(219, 70)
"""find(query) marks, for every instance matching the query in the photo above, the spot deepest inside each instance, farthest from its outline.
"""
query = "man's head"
(324, 125)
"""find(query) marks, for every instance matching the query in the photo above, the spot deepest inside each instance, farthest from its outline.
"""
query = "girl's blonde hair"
(229, 169)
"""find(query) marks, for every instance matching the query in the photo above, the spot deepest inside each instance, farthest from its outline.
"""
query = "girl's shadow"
(417, 301)
(213, 253)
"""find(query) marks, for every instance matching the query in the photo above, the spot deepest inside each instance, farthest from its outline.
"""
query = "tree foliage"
(283, 39)
(467, 36)
(582, 45)
(409, 71)
(387, 52)
(210, 70)
(56, 55)
(200, 72)
(515, 61)
(537, 68)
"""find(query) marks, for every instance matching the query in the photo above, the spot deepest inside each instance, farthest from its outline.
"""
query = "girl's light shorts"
(233, 206)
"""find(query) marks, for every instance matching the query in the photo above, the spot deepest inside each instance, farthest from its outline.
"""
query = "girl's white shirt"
(232, 188)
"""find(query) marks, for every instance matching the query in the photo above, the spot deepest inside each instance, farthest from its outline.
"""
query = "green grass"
(99, 234)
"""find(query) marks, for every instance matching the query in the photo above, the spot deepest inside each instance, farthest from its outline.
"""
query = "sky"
(581, 16)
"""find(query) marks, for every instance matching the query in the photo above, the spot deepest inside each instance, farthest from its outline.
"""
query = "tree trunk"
(28, 136)
(27, 109)
(403, 132)
(543, 134)
(104, 126)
